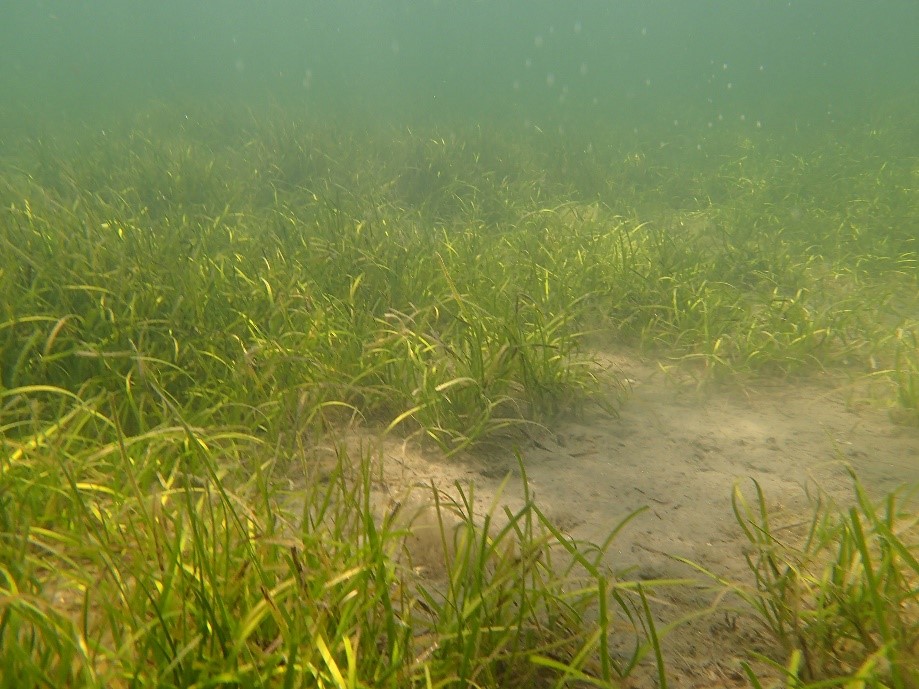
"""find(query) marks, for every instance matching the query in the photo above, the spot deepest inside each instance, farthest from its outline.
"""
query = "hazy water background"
(680, 67)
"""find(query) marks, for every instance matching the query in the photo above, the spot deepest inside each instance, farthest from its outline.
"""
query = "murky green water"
(682, 69)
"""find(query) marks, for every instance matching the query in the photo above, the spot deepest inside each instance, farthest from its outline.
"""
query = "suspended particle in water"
(583, 69)
(528, 62)
(516, 85)
(577, 26)
(394, 46)
(537, 41)
(550, 80)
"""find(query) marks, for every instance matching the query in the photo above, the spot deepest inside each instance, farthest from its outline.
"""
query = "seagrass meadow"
(192, 303)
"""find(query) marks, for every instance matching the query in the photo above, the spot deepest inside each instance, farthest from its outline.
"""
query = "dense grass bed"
(189, 303)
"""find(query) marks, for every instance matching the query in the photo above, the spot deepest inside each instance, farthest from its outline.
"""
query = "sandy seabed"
(679, 453)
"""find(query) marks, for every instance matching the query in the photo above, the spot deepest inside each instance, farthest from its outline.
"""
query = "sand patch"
(678, 454)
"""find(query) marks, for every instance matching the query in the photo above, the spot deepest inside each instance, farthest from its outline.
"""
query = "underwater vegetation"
(840, 597)
(188, 308)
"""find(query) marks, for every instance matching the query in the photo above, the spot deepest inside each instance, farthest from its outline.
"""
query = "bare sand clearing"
(680, 453)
